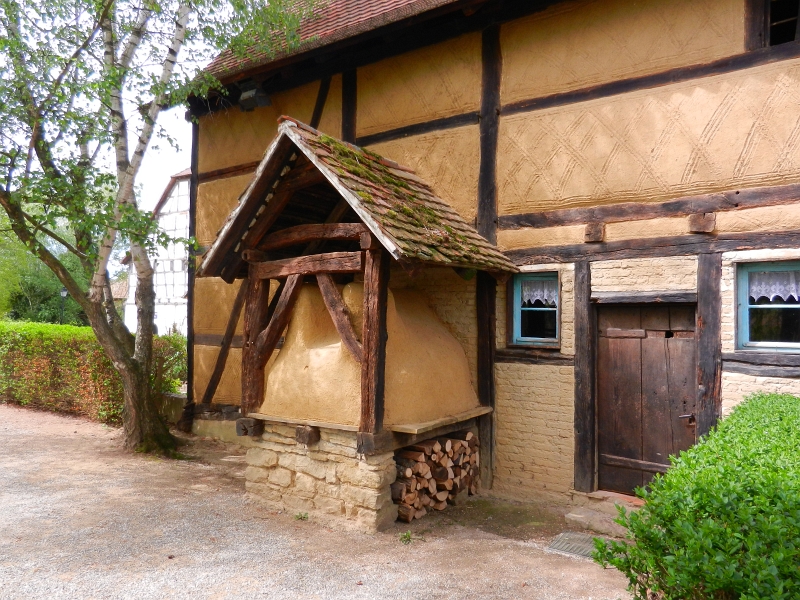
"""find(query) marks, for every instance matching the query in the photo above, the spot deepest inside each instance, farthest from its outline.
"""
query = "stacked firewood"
(433, 473)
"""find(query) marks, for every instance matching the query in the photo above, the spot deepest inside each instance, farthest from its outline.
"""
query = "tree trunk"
(145, 429)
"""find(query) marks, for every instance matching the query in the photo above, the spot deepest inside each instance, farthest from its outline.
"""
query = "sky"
(161, 160)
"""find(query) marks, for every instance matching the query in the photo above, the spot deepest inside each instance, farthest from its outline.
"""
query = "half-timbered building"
(571, 228)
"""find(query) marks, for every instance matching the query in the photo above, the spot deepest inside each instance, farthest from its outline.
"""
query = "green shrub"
(724, 522)
(63, 368)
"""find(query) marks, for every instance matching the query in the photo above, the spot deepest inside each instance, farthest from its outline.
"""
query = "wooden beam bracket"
(306, 434)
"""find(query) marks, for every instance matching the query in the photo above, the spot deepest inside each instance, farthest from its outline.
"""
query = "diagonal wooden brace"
(338, 310)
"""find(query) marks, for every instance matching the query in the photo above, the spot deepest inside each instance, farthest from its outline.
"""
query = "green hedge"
(724, 522)
(63, 368)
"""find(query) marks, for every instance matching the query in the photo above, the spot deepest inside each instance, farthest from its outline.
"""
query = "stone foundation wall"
(645, 274)
(328, 480)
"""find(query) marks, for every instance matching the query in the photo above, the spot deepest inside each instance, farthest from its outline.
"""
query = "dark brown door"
(646, 391)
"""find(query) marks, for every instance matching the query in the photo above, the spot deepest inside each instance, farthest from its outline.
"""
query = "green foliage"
(405, 538)
(724, 522)
(62, 368)
(301, 517)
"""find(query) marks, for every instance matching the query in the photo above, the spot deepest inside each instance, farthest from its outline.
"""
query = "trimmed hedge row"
(724, 522)
(63, 368)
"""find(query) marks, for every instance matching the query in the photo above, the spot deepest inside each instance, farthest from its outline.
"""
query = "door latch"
(690, 416)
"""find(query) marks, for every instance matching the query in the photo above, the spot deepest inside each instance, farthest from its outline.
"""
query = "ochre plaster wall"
(213, 302)
(669, 273)
(533, 237)
(578, 44)
(765, 218)
(315, 378)
(229, 390)
(736, 386)
(215, 201)
(534, 430)
(453, 300)
(449, 160)
(716, 133)
(430, 83)
(232, 137)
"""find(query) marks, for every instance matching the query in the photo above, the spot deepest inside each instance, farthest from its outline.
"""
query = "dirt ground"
(81, 519)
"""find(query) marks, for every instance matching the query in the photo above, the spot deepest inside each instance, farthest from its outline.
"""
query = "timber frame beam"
(332, 262)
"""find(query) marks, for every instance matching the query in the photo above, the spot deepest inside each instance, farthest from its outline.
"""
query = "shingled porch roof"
(401, 210)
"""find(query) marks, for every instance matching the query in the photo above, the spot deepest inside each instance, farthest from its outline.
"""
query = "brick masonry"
(534, 439)
(676, 273)
(328, 480)
(736, 386)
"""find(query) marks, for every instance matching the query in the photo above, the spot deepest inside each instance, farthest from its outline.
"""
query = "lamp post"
(63, 295)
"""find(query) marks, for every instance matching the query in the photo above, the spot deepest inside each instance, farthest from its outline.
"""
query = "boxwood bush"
(63, 368)
(724, 522)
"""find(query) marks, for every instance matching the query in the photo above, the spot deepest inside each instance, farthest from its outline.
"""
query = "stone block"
(594, 521)
(367, 498)
(309, 466)
(304, 485)
(261, 457)
(256, 474)
(329, 506)
(281, 477)
(295, 504)
(263, 492)
(358, 474)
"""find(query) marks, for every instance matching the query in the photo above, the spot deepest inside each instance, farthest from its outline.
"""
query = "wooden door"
(646, 391)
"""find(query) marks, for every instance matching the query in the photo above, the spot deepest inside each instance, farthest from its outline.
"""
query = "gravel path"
(81, 519)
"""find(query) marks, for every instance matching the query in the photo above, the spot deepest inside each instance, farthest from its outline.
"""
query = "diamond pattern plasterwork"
(739, 129)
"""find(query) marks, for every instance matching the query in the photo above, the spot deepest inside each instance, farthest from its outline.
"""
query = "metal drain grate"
(572, 542)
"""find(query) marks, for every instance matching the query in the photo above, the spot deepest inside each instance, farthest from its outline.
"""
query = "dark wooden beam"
(338, 311)
(709, 343)
(486, 307)
(585, 332)
(629, 211)
(756, 33)
(758, 357)
(643, 297)
(233, 171)
(702, 222)
(304, 234)
(682, 245)
(760, 370)
(187, 416)
(256, 317)
(268, 339)
(374, 336)
(492, 64)
(319, 105)
(225, 346)
(533, 356)
(332, 262)
(349, 105)
(306, 435)
(471, 118)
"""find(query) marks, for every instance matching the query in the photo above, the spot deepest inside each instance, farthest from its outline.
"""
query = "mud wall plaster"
(448, 160)
(430, 83)
(579, 44)
(717, 133)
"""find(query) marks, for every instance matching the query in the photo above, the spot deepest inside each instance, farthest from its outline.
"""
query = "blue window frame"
(768, 306)
(536, 309)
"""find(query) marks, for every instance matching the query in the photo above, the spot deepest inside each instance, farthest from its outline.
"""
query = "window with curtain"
(769, 305)
(536, 306)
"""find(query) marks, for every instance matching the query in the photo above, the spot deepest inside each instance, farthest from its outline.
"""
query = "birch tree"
(82, 85)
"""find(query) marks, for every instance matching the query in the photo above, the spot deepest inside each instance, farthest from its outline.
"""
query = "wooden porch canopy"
(318, 206)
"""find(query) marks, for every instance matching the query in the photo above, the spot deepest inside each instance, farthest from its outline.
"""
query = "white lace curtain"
(784, 285)
(544, 290)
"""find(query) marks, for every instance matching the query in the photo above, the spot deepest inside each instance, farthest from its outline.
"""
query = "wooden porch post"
(373, 336)
(256, 317)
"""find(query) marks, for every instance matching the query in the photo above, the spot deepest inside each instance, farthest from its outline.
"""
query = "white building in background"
(170, 264)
